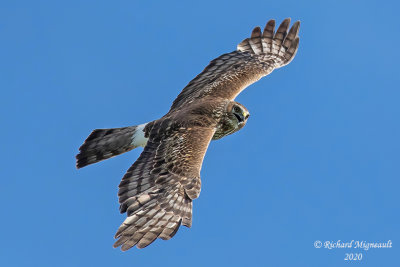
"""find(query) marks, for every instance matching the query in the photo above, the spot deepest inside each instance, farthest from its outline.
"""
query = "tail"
(103, 144)
(280, 46)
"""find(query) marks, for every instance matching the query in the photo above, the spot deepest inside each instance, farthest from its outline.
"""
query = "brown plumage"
(158, 189)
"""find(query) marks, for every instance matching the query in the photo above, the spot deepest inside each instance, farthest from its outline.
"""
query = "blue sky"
(317, 160)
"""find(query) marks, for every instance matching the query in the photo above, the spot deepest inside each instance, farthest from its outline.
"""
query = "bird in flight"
(158, 189)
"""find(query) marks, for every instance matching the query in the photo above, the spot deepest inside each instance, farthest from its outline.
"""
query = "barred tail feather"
(103, 144)
(281, 46)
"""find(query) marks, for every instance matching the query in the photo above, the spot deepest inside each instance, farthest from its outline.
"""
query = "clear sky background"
(317, 160)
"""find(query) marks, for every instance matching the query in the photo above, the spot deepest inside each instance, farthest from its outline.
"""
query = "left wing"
(158, 189)
(255, 57)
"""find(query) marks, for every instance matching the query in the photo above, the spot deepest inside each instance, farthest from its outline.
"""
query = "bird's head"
(232, 120)
(238, 114)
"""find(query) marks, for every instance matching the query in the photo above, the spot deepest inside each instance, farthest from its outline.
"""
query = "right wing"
(255, 57)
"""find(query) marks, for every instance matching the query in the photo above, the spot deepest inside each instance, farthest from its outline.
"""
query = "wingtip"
(286, 21)
(294, 30)
(256, 32)
(270, 24)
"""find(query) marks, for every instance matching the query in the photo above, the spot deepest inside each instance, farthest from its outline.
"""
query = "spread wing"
(255, 57)
(158, 189)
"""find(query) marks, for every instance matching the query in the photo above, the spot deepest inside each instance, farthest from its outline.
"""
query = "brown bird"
(158, 189)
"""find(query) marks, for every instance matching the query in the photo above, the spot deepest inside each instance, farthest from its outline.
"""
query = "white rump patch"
(138, 138)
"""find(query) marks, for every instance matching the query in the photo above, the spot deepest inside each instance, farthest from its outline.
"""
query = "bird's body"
(158, 189)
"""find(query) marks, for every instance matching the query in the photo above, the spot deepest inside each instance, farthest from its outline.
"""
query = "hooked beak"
(242, 117)
(246, 115)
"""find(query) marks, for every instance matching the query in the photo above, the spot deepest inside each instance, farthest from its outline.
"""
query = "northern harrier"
(158, 189)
